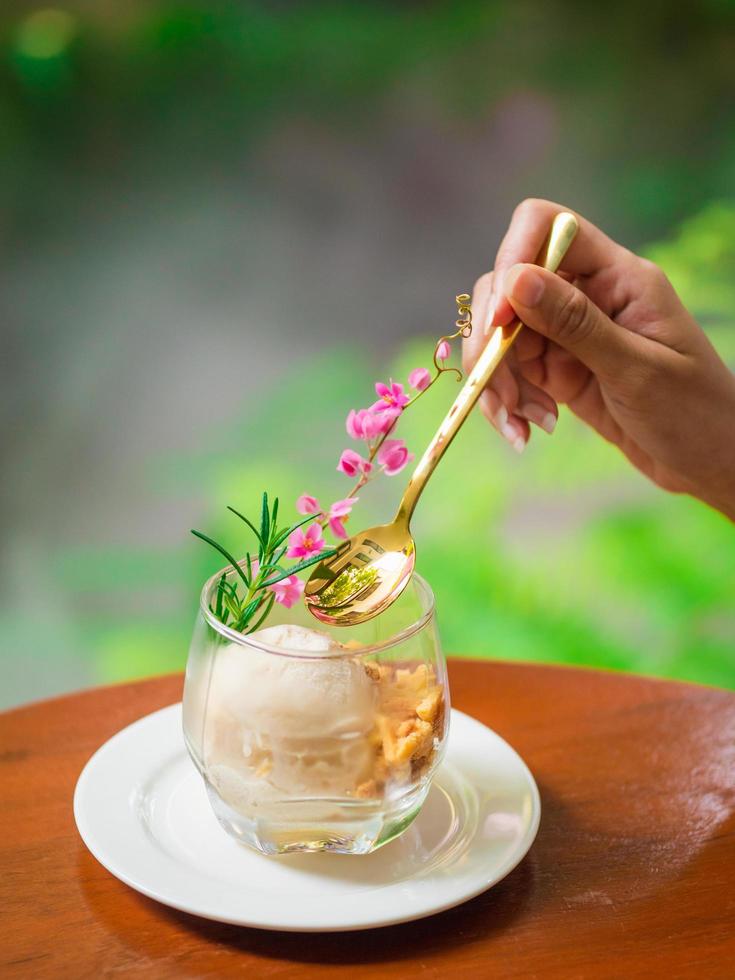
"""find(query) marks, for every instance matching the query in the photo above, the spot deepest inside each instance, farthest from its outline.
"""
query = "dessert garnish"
(244, 600)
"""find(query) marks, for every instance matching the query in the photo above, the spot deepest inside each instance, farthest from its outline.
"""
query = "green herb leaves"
(245, 602)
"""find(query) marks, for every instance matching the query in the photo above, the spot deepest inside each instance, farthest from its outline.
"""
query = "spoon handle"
(561, 236)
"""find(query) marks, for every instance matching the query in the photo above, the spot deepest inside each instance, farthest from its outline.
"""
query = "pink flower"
(419, 378)
(363, 424)
(288, 590)
(392, 396)
(307, 505)
(386, 416)
(443, 350)
(393, 456)
(339, 510)
(352, 463)
(305, 543)
(337, 527)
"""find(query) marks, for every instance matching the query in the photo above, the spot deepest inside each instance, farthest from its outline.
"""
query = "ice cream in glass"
(311, 739)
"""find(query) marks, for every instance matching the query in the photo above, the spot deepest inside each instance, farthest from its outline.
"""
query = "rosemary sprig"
(245, 603)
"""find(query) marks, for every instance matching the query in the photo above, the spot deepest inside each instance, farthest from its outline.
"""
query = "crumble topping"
(408, 724)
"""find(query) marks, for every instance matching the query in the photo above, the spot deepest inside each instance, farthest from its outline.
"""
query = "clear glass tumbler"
(331, 750)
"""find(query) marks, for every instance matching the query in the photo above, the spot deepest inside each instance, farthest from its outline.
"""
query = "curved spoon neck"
(413, 491)
(404, 515)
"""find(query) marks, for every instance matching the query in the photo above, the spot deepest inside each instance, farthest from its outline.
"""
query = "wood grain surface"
(632, 874)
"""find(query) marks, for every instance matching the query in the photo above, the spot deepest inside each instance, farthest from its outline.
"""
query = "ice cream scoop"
(369, 571)
(280, 726)
(293, 696)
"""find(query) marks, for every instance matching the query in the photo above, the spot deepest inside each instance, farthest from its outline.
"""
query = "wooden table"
(632, 873)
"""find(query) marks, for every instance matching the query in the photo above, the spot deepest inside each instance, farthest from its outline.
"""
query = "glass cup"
(332, 750)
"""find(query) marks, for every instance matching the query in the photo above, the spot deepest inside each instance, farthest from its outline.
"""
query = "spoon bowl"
(364, 577)
(369, 572)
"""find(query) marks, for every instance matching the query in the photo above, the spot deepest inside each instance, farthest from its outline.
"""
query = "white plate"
(142, 810)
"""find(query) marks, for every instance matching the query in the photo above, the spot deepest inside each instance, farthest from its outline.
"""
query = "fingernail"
(497, 291)
(524, 285)
(508, 430)
(537, 413)
(489, 324)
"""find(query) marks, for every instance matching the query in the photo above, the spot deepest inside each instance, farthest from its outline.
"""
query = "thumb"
(555, 308)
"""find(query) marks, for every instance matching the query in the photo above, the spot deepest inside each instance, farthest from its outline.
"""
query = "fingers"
(515, 430)
(511, 400)
(473, 345)
(528, 347)
(529, 404)
(590, 252)
(536, 406)
(563, 314)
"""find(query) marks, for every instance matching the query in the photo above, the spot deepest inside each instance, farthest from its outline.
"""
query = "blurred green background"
(221, 223)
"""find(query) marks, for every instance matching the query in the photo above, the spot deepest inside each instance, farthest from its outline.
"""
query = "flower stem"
(375, 448)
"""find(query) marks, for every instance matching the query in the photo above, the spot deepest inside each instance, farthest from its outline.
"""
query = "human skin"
(608, 337)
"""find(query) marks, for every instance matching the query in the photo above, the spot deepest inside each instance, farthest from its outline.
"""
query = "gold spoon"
(370, 570)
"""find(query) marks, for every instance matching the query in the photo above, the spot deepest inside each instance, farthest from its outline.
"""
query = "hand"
(610, 338)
